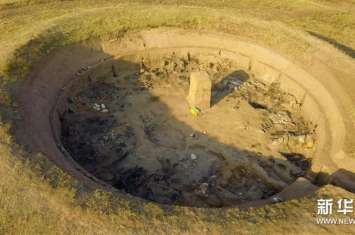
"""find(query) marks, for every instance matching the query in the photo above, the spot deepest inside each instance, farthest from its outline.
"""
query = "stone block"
(200, 90)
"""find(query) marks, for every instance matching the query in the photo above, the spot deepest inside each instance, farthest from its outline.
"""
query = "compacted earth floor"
(134, 130)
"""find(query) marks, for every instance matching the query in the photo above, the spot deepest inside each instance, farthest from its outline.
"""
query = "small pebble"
(104, 110)
(73, 108)
(103, 106)
(194, 136)
(61, 91)
(182, 157)
(301, 140)
(193, 156)
(277, 199)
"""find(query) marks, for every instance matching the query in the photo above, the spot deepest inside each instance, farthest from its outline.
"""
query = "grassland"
(38, 198)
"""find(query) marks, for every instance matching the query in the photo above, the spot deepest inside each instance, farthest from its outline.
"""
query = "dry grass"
(38, 198)
(75, 28)
(72, 21)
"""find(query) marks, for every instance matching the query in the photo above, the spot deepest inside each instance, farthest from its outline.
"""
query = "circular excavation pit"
(132, 129)
(124, 119)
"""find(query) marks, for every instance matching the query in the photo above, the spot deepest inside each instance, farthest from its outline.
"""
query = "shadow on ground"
(341, 178)
(347, 50)
(221, 89)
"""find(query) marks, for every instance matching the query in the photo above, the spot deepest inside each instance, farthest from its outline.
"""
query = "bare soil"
(132, 129)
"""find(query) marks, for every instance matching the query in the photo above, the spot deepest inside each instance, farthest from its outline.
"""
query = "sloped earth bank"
(118, 117)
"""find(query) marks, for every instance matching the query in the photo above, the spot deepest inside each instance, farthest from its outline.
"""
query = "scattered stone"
(283, 118)
(103, 106)
(301, 139)
(277, 199)
(203, 190)
(61, 90)
(104, 110)
(236, 82)
(96, 105)
(194, 135)
(233, 86)
(193, 156)
(182, 157)
(73, 108)
(213, 177)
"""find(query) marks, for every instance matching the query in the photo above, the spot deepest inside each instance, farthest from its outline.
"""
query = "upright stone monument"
(200, 90)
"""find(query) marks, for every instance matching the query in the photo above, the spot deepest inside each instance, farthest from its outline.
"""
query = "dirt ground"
(133, 129)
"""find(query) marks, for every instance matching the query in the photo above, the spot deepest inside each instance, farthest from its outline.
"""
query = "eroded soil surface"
(133, 130)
